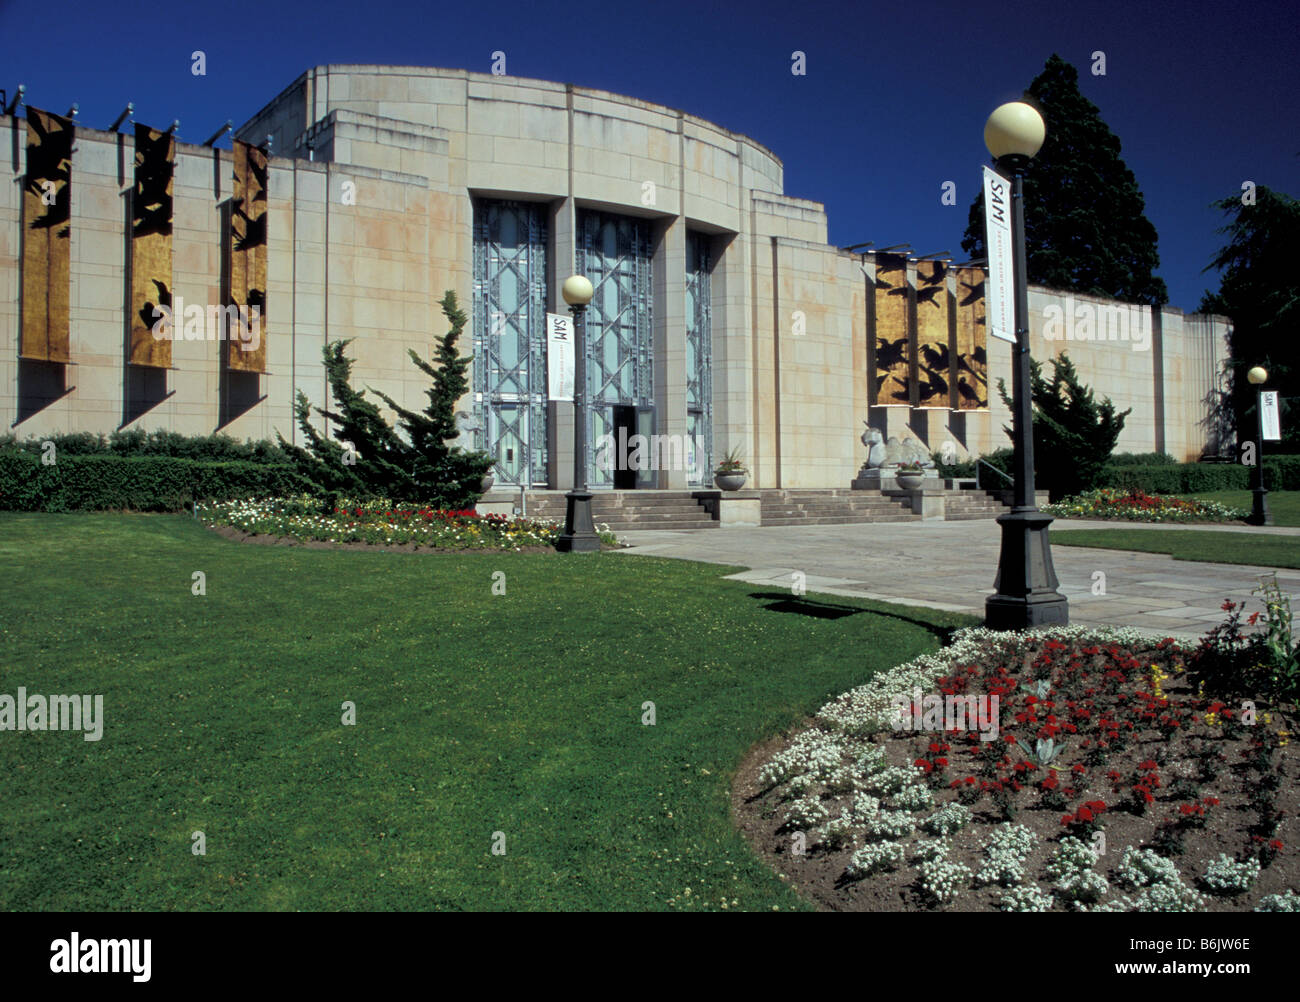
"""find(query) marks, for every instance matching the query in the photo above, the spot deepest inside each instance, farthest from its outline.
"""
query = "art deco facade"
(721, 315)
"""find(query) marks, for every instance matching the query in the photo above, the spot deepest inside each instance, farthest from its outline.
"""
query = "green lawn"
(1190, 544)
(1284, 505)
(476, 713)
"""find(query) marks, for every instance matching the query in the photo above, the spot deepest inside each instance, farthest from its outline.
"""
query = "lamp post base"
(1026, 582)
(579, 530)
(1259, 513)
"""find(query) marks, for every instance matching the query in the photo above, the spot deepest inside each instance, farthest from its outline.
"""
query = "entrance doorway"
(624, 428)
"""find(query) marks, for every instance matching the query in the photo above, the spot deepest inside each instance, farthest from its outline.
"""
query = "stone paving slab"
(951, 565)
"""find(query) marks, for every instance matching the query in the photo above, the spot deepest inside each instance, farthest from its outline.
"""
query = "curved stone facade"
(722, 318)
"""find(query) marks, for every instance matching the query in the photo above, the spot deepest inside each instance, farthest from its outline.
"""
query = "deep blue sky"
(1202, 95)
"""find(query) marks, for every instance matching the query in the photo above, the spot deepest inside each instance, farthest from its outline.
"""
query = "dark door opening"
(624, 429)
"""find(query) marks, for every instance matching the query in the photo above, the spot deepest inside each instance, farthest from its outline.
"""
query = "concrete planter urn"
(910, 480)
(731, 480)
(486, 483)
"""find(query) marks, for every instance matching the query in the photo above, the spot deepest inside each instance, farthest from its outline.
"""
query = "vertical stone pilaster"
(560, 413)
(669, 276)
(733, 363)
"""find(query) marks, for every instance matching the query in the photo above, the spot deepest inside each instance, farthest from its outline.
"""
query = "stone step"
(625, 510)
(839, 505)
(841, 520)
(818, 510)
(654, 526)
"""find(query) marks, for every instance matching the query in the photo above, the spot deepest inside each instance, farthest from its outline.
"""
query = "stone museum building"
(721, 317)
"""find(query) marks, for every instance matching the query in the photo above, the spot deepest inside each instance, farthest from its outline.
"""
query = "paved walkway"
(950, 565)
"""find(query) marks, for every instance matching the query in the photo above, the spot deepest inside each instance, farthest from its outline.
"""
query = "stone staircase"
(624, 511)
(832, 507)
(967, 501)
(966, 504)
(627, 511)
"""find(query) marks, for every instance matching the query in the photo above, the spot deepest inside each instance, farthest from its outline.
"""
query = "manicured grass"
(1191, 544)
(475, 713)
(1284, 505)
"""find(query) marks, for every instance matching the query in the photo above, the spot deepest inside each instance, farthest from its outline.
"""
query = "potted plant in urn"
(730, 474)
(911, 475)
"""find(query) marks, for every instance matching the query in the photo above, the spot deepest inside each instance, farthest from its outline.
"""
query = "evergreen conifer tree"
(422, 464)
(1074, 434)
(1259, 293)
(1084, 224)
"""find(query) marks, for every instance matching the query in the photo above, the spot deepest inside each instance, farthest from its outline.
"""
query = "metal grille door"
(615, 252)
(509, 325)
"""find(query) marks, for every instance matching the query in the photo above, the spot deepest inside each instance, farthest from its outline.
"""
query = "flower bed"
(1101, 780)
(1139, 506)
(380, 522)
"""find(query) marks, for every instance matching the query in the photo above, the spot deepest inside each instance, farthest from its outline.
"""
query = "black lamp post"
(579, 531)
(1259, 513)
(1026, 583)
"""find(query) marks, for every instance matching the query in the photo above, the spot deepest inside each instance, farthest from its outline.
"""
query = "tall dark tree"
(1084, 223)
(1074, 433)
(422, 463)
(1260, 294)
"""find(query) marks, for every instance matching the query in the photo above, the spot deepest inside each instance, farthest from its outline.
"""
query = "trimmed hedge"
(1141, 459)
(135, 483)
(1159, 474)
(1281, 473)
(1181, 478)
(135, 442)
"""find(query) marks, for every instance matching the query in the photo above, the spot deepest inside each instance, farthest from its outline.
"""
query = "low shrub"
(1231, 663)
(99, 482)
(1281, 473)
(136, 442)
(1142, 459)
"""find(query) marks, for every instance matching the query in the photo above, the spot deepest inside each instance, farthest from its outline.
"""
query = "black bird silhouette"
(966, 393)
(253, 232)
(929, 294)
(147, 314)
(151, 203)
(935, 357)
(49, 160)
(890, 353)
(934, 385)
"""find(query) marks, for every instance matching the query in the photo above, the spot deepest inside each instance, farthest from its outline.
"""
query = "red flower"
(922, 764)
